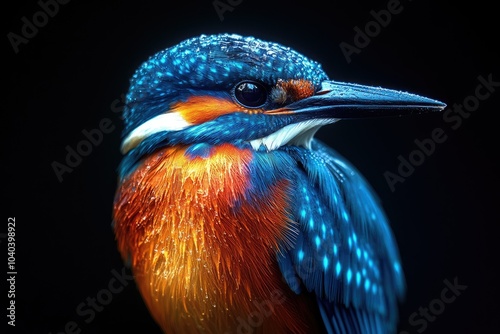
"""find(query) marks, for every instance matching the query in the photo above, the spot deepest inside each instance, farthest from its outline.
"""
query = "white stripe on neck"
(171, 121)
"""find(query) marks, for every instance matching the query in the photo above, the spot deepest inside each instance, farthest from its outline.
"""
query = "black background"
(65, 79)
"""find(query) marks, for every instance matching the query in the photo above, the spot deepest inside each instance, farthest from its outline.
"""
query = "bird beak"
(341, 100)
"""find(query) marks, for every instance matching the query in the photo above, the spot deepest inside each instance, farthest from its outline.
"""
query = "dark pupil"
(250, 94)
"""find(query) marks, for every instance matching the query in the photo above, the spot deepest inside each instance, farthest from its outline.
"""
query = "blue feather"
(212, 63)
(345, 252)
(342, 249)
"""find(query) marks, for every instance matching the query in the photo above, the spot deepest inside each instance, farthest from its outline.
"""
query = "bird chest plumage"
(203, 244)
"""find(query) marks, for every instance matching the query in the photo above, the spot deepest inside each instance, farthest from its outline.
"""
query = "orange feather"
(201, 109)
(202, 263)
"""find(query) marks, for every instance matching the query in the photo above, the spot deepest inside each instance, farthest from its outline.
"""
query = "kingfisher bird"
(232, 216)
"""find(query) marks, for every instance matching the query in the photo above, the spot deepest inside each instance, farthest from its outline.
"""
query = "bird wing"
(345, 252)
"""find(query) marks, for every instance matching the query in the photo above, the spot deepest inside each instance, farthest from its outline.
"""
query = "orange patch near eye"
(200, 109)
(296, 89)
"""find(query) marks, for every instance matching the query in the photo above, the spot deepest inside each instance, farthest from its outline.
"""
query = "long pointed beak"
(345, 100)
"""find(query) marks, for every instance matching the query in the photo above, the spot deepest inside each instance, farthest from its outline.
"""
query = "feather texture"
(202, 238)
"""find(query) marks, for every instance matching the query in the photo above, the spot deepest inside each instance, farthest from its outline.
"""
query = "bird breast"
(201, 245)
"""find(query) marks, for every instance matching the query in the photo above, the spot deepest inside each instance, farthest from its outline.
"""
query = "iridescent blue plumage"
(212, 63)
(339, 248)
(345, 252)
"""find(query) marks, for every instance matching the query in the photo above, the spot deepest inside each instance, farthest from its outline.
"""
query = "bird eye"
(250, 94)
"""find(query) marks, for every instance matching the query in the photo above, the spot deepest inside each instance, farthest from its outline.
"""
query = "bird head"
(232, 89)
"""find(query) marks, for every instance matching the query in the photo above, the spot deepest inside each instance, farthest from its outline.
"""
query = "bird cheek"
(201, 109)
